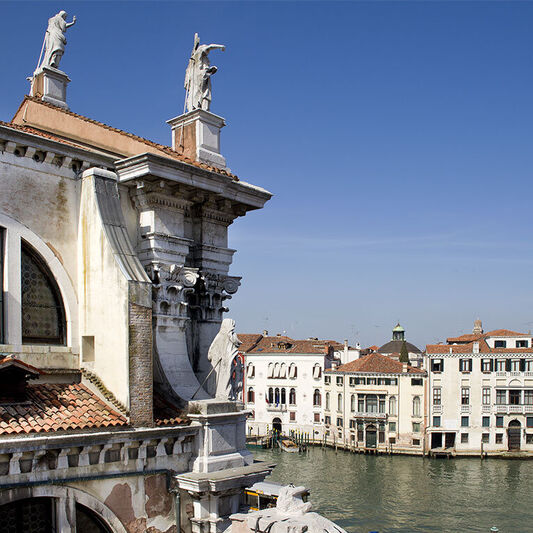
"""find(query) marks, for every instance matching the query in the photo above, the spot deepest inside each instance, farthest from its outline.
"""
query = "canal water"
(404, 494)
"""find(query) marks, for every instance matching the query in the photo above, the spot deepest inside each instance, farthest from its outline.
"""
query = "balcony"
(280, 408)
(513, 409)
(373, 416)
(466, 408)
(485, 408)
(437, 409)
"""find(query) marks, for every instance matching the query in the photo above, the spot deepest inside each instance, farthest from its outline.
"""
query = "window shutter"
(461, 365)
(508, 365)
(522, 365)
(492, 365)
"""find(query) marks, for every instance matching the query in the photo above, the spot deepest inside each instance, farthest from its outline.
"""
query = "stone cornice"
(490, 355)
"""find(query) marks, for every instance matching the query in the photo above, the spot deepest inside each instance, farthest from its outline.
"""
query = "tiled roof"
(283, 344)
(469, 348)
(248, 340)
(57, 407)
(11, 361)
(464, 338)
(376, 363)
(167, 413)
(503, 333)
(165, 149)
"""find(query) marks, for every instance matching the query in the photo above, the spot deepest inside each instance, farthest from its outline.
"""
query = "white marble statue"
(55, 40)
(198, 75)
(223, 355)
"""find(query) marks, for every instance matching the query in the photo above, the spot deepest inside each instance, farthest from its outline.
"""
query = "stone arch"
(17, 231)
(66, 493)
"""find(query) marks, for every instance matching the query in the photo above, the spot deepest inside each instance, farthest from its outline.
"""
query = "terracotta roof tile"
(503, 333)
(248, 341)
(469, 348)
(166, 149)
(55, 407)
(283, 344)
(167, 413)
(376, 363)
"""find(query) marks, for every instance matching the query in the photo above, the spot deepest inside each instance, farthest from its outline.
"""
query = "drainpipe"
(177, 508)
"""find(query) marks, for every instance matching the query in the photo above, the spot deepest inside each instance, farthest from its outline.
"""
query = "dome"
(398, 328)
(396, 347)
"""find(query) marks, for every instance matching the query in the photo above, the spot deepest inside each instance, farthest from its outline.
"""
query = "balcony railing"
(380, 416)
(280, 408)
(466, 408)
(513, 409)
(437, 409)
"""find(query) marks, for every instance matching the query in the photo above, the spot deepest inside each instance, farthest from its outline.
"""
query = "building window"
(339, 380)
(465, 395)
(250, 371)
(499, 421)
(251, 395)
(500, 365)
(392, 406)
(416, 427)
(283, 396)
(270, 395)
(464, 438)
(292, 397)
(486, 395)
(392, 427)
(436, 396)
(327, 380)
(417, 382)
(499, 438)
(339, 422)
(416, 442)
(528, 365)
(352, 424)
(485, 438)
(515, 397)
(416, 406)
(371, 403)
(276, 370)
(522, 344)
(339, 402)
(485, 421)
(327, 401)
(371, 381)
(353, 403)
(293, 371)
(529, 438)
(436, 421)
(316, 417)
(292, 416)
(382, 404)
(501, 397)
(317, 371)
(317, 398)
(381, 435)
(437, 365)
(360, 432)
(361, 403)
(529, 421)
(327, 420)
(392, 440)
(500, 344)
(465, 365)
(487, 365)
(515, 365)
(283, 371)
(43, 315)
(465, 421)
(353, 382)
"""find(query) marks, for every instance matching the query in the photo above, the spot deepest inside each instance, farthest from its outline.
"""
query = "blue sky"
(395, 136)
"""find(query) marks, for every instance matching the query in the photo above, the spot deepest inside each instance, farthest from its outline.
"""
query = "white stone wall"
(304, 384)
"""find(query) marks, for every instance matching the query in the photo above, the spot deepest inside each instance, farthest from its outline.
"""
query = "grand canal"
(388, 494)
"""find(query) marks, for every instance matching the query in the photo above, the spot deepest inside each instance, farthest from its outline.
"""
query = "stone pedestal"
(50, 84)
(197, 135)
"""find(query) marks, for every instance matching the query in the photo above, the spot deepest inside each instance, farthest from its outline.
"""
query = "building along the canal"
(480, 393)
(283, 383)
(375, 403)
(114, 256)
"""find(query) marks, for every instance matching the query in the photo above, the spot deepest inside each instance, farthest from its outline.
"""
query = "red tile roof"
(464, 338)
(503, 333)
(469, 348)
(57, 407)
(166, 149)
(248, 340)
(376, 363)
(39, 133)
(167, 413)
(283, 344)
(11, 361)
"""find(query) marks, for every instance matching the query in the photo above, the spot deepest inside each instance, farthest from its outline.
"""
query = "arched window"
(327, 401)
(317, 371)
(250, 372)
(270, 370)
(352, 403)
(339, 402)
(317, 398)
(43, 314)
(416, 406)
(251, 395)
(293, 371)
(276, 370)
(292, 396)
(283, 371)
(276, 395)
(392, 405)
(270, 395)
(283, 396)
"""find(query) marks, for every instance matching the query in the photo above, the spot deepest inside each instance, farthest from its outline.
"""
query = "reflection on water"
(388, 494)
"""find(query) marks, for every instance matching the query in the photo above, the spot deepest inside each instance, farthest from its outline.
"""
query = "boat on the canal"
(288, 445)
(264, 495)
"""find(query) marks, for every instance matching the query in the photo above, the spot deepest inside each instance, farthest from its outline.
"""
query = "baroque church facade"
(115, 276)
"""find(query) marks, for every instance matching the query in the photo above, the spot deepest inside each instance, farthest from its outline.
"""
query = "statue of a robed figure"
(55, 40)
(198, 75)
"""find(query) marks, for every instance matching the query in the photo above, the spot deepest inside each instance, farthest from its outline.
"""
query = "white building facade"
(283, 385)
(480, 394)
(375, 403)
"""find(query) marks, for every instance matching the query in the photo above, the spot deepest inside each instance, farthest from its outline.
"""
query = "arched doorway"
(514, 435)
(276, 424)
(371, 436)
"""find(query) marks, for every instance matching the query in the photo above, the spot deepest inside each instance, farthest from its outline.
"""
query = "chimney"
(475, 347)
(334, 365)
(404, 368)
(196, 135)
(265, 333)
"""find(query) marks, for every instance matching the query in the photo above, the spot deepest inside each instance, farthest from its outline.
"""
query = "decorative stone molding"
(211, 293)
